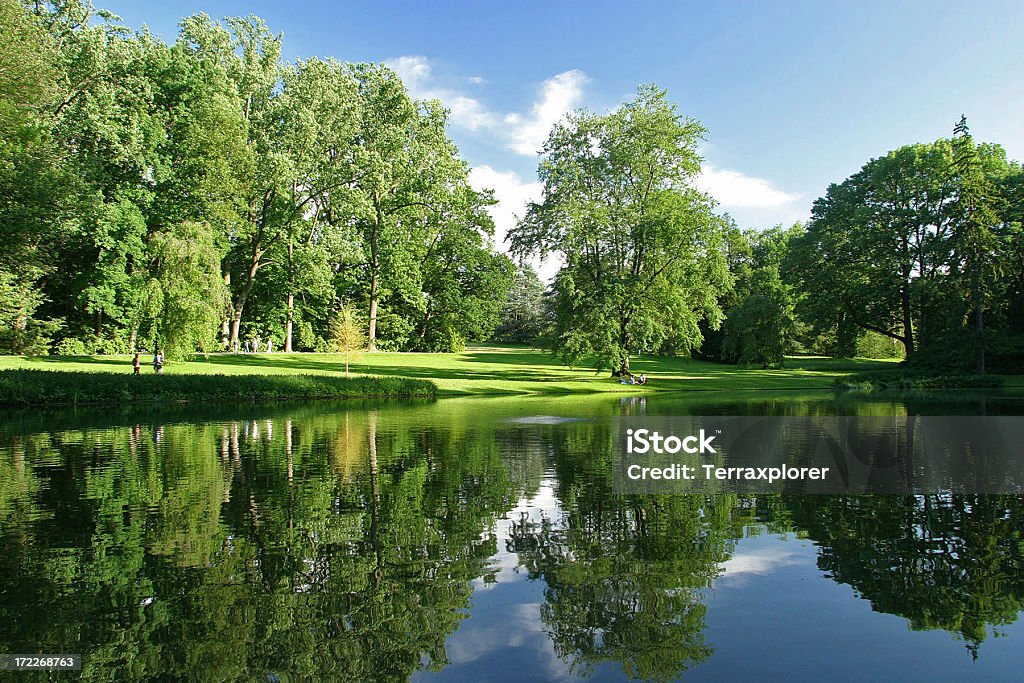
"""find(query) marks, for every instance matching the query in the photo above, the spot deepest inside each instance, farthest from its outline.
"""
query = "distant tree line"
(199, 194)
(919, 255)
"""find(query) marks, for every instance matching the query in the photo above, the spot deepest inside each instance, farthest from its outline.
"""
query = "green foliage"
(315, 181)
(42, 387)
(874, 345)
(904, 380)
(759, 328)
(191, 295)
(522, 318)
(916, 246)
(347, 334)
(642, 252)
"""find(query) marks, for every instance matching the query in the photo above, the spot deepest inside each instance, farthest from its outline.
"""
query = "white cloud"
(512, 193)
(416, 73)
(411, 69)
(523, 133)
(560, 94)
(735, 189)
(468, 112)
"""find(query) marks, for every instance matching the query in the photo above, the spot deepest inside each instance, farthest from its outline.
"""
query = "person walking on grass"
(158, 362)
(136, 364)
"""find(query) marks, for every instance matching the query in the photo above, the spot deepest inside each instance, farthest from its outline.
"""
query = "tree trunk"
(374, 289)
(426, 321)
(908, 321)
(624, 343)
(239, 305)
(288, 325)
(225, 325)
(979, 336)
(291, 298)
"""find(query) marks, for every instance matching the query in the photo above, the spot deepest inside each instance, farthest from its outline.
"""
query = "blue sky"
(796, 95)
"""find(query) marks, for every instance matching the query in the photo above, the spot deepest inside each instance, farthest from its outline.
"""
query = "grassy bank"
(491, 370)
(20, 387)
(899, 380)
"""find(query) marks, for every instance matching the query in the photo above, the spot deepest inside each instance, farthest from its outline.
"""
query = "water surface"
(479, 539)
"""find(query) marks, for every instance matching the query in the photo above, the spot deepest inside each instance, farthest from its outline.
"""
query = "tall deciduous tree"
(464, 282)
(406, 169)
(35, 191)
(245, 55)
(320, 112)
(642, 251)
(877, 247)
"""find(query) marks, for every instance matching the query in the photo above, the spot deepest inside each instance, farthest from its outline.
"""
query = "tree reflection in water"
(951, 562)
(329, 546)
(325, 543)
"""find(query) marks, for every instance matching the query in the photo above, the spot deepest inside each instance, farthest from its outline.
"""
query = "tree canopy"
(640, 247)
(313, 184)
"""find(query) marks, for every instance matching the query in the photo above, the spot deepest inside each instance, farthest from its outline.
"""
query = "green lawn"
(493, 370)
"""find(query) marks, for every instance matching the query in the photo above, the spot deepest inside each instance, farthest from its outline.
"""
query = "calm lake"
(480, 539)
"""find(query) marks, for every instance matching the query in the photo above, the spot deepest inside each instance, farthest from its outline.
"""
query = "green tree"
(522, 317)
(245, 56)
(409, 173)
(319, 103)
(189, 294)
(975, 252)
(876, 249)
(760, 328)
(36, 193)
(464, 282)
(641, 249)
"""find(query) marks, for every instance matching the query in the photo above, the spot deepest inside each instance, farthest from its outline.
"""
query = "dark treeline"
(918, 254)
(204, 194)
(201, 194)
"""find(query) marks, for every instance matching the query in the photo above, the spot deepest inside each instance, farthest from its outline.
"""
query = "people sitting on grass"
(633, 379)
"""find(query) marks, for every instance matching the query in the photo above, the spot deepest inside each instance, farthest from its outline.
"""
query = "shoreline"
(491, 371)
(22, 388)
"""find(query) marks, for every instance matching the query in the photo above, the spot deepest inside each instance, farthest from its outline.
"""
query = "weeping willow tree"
(187, 297)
